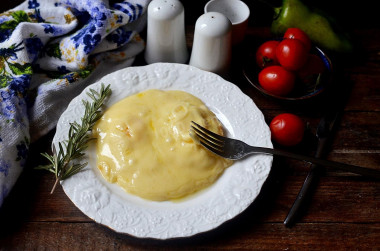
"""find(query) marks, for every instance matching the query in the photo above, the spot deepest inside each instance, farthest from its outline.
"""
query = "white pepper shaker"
(166, 41)
(212, 43)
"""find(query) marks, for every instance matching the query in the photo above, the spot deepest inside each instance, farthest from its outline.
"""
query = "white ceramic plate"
(233, 192)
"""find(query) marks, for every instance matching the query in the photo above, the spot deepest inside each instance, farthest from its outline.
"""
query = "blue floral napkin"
(50, 50)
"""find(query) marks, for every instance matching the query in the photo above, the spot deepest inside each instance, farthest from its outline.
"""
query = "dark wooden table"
(342, 213)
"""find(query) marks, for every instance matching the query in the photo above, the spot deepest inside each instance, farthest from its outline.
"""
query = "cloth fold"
(49, 52)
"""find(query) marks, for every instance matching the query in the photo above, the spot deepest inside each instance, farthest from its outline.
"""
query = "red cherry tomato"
(296, 33)
(277, 80)
(287, 129)
(291, 54)
(266, 54)
(313, 66)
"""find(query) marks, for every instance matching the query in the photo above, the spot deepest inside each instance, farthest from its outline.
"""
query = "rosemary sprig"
(61, 162)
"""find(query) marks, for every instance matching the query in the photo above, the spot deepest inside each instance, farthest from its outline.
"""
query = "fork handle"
(373, 173)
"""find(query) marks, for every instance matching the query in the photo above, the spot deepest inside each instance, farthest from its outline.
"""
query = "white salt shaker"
(212, 43)
(166, 41)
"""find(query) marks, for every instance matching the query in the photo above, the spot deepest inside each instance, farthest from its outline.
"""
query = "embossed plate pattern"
(233, 192)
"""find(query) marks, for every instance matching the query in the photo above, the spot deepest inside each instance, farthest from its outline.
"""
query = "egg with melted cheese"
(144, 145)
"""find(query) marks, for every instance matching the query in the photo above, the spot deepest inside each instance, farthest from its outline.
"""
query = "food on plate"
(287, 129)
(321, 29)
(144, 145)
(277, 80)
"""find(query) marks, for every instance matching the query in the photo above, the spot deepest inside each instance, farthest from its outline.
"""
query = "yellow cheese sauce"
(144, 145)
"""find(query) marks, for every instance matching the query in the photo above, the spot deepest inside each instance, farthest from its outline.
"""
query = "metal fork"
(236, 149)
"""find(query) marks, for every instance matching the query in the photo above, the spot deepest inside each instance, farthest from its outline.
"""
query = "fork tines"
(208, 139)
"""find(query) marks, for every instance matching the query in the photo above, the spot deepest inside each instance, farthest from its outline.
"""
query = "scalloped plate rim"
(93, 203)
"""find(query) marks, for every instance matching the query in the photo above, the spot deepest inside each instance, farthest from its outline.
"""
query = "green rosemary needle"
(61, 160)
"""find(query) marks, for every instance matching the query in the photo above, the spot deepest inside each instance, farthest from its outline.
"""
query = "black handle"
(307, 186)
(302, 196)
